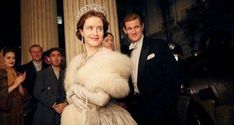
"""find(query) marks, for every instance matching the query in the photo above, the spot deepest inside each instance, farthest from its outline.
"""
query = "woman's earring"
(82, 39)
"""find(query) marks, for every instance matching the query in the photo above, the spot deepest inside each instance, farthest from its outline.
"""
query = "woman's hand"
(20, 79)
(78, 103)
(99, 97)
(76, 90)
(17, 83)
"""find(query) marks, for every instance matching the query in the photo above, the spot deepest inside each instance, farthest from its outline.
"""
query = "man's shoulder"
(44, 71)
(155, 41)
(28, 64)
(158, 45)
(124, 49)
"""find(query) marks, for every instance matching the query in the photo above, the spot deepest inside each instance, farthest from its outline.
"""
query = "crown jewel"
(91, 7)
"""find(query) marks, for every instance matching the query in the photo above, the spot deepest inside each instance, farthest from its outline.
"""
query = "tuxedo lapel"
(33, 68)
(143, 58)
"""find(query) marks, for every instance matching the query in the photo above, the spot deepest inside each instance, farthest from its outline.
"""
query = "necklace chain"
(87, 58)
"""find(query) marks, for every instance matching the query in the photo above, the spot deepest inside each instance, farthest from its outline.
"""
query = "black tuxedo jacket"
(158, 82)
(31, 73)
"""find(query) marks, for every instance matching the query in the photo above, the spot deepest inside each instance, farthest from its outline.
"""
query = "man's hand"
(59, 107)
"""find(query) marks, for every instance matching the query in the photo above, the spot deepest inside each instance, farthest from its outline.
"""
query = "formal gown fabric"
(106, 72)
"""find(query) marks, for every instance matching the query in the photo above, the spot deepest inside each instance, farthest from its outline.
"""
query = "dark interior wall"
(10, 23)
(196, 25)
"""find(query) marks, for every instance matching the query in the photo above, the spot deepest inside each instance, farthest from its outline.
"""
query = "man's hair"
(55, 49)
(35, 45)
(131, 17)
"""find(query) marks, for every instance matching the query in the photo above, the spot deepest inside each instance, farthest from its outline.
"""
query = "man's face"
(55, 58)
(36, 53)
(134, 30)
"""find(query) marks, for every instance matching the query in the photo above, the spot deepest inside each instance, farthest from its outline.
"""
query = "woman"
(108, 41)
(11, 90)
(94, 78)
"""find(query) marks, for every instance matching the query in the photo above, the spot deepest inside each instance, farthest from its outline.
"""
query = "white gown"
(103, 77)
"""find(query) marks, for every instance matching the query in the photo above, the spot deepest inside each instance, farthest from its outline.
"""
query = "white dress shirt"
(57, 73)
(37, 65)
(135, 56)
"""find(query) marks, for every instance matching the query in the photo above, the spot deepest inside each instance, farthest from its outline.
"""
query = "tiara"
(91, 7)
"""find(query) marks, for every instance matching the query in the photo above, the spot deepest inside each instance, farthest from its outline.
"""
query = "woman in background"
(11, 90)
(108, 41)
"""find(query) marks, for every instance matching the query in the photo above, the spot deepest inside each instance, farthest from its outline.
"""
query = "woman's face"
(108, 42)
(93, 31)
(9, 59)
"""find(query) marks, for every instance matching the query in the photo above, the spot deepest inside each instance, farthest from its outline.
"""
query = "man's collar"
(135, 44)
(36, 63)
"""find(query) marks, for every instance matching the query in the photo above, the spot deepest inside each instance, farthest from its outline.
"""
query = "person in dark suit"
(31, 68)
(155, 76)
(49, 91)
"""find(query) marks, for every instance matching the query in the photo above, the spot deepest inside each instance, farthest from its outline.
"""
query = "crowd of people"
(100, 86)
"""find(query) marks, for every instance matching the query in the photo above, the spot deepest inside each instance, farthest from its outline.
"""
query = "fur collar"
(106, 70)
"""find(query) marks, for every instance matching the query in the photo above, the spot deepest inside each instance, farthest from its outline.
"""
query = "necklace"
(87, 58)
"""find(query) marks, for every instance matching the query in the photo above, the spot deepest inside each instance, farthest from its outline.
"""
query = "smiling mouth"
(95, 39)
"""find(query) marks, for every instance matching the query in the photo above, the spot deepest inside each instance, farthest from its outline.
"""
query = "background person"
(31, 68)
(11, 90)
(49, 91)
(108, 41)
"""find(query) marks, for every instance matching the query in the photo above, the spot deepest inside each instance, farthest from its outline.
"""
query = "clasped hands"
(19, 79)
(59, 107)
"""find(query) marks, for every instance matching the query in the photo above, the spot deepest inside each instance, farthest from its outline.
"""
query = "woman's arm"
(11, 88)
(17, 83)
(99, 98)
(21, 89)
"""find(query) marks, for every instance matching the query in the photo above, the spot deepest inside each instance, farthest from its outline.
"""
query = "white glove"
(78, 103)
(99, 98)
(78, 90)
(69, 93)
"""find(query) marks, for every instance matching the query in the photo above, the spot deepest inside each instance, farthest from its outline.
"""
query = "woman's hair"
(80, 24)
(108, 33)
(7, 50)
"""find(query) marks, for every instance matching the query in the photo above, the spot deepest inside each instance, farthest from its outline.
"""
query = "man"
(49, 91)
(31, 69)
(155, 76)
